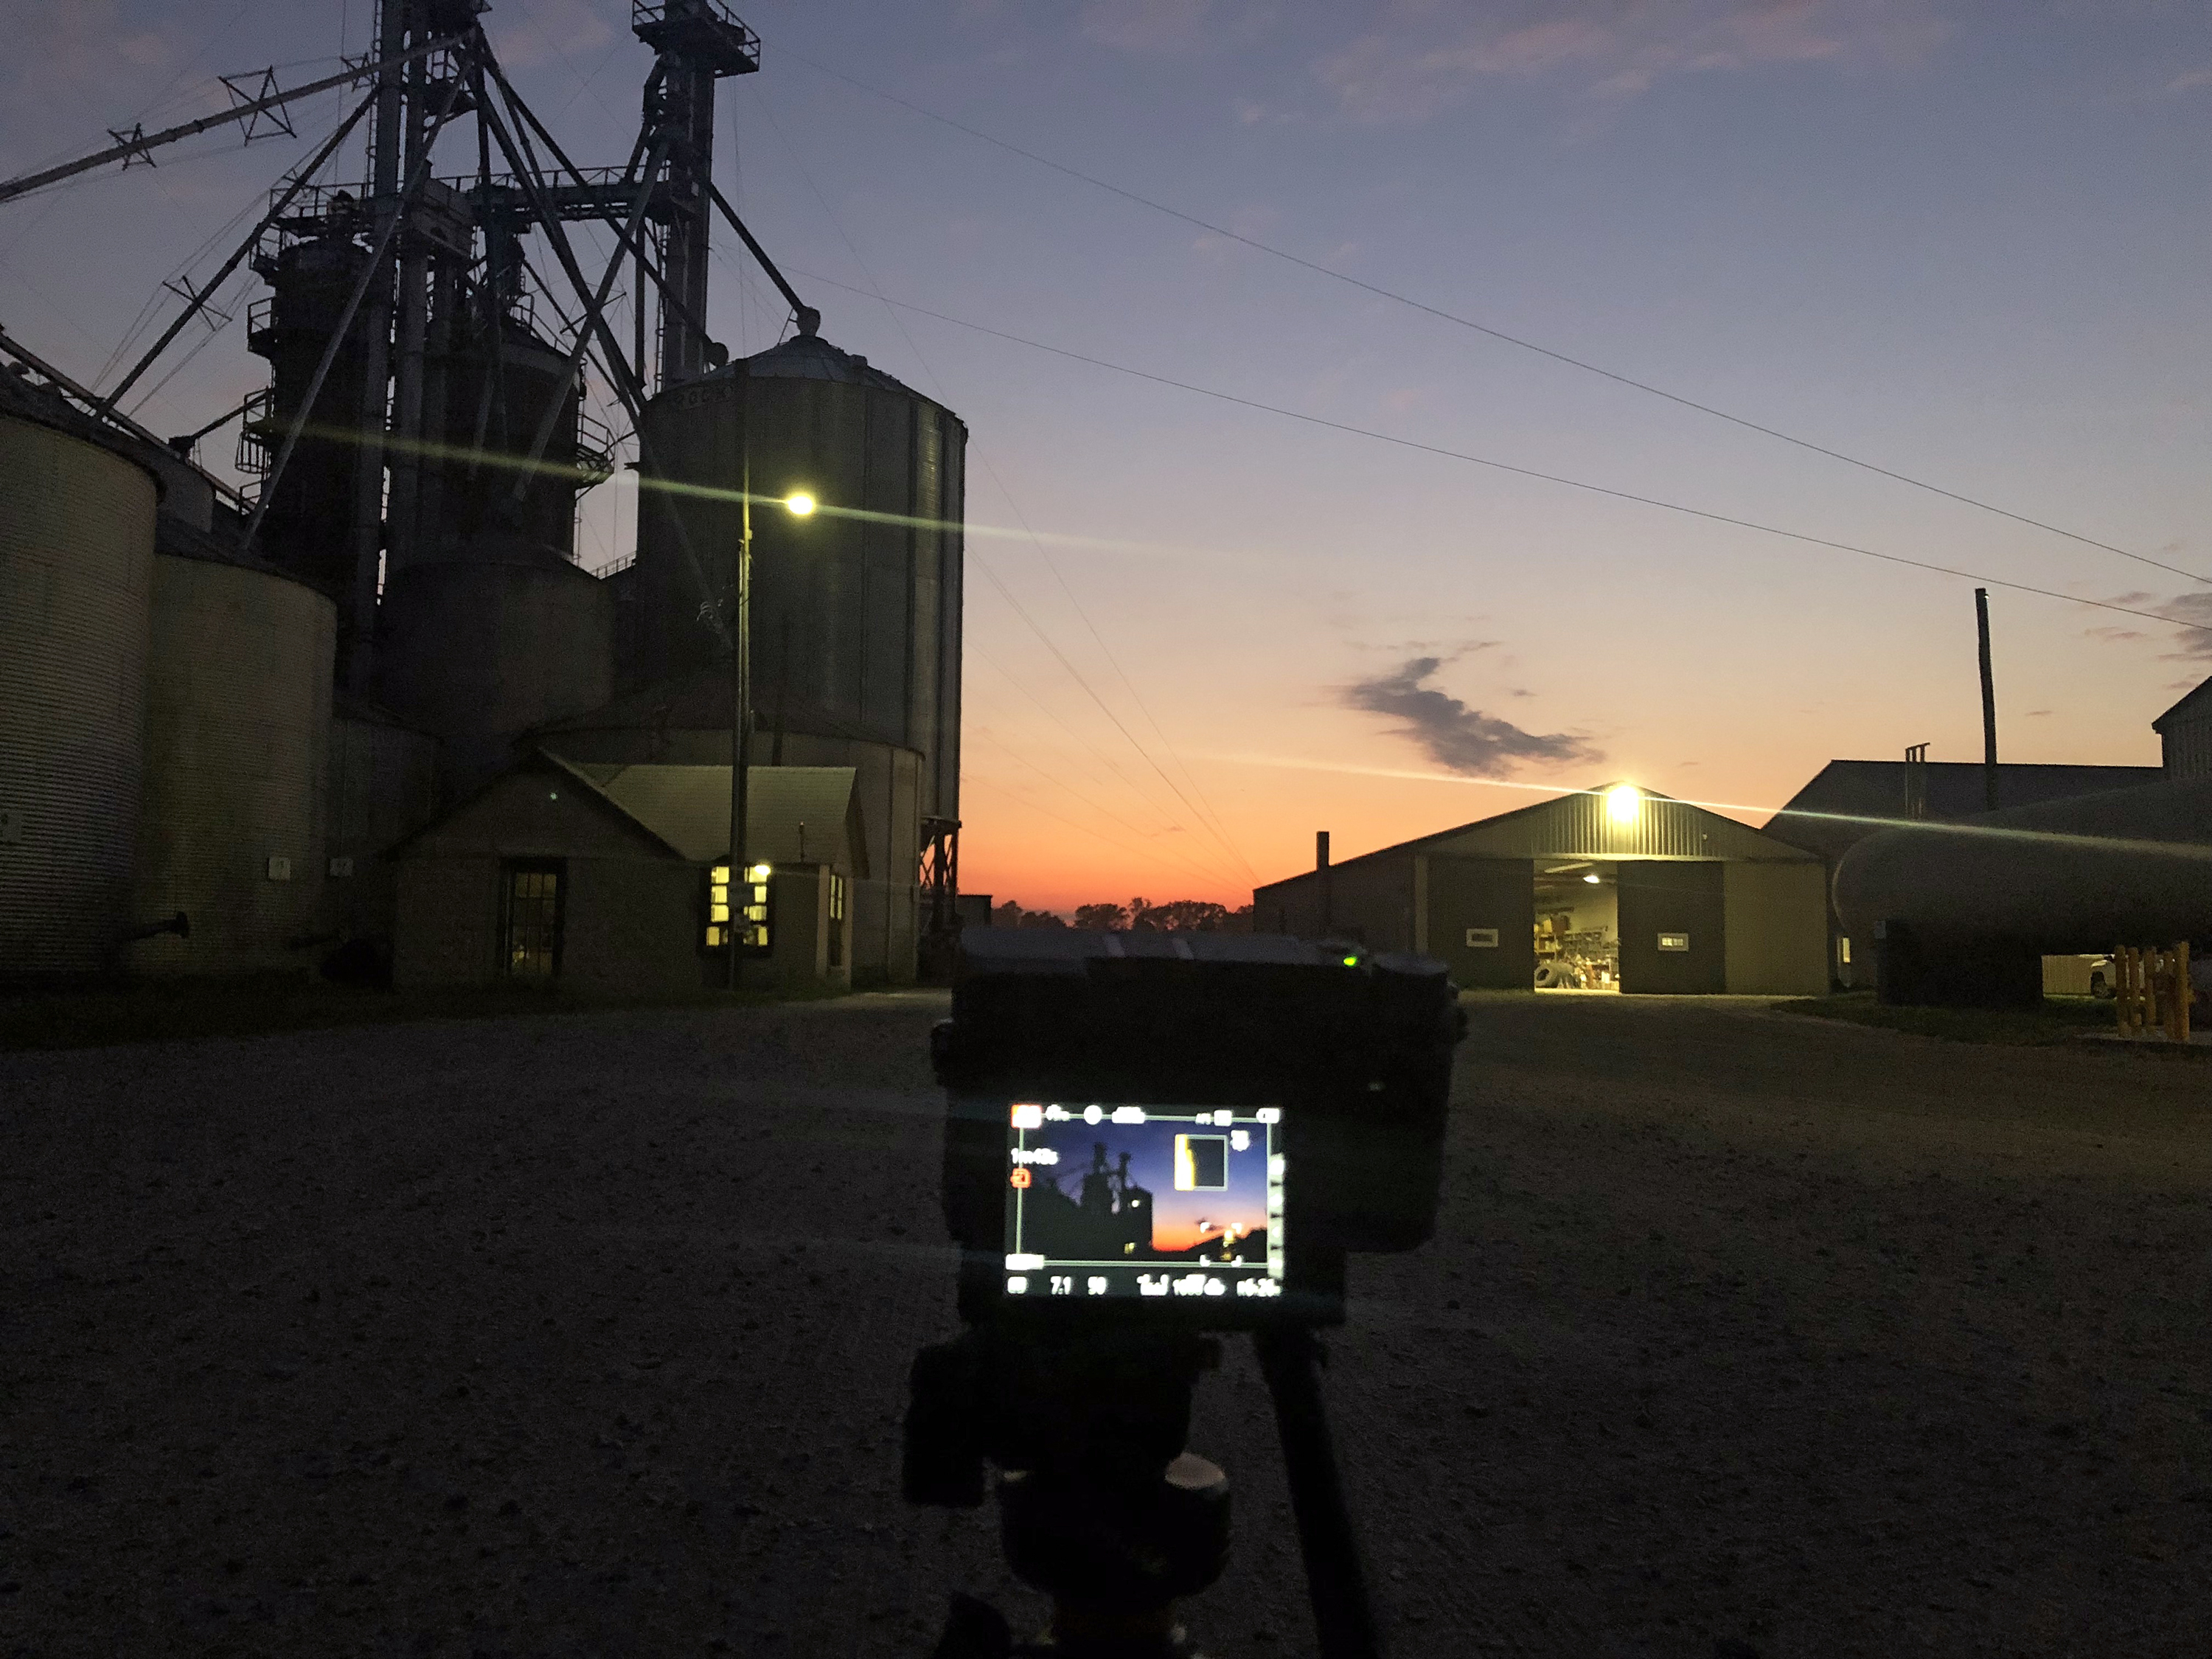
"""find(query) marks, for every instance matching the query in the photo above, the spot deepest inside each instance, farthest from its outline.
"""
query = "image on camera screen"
(1134, 1202)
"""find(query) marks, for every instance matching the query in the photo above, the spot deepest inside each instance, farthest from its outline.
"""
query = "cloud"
(1426, 55)
(2036, 714)
(1455, 737)
(1146, 25)
(2191, 639)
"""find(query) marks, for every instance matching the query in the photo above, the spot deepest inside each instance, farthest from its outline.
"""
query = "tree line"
(1137, 915)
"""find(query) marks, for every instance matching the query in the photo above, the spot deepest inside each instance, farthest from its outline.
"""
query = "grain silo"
(479, 647)
(312, 508)
(383, 784)
(76, 572)
(856, 610)
(237, 699)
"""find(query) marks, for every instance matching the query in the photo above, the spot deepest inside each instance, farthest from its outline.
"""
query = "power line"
(1013, 680)
(1206, 818)
(1498, 334)
(1189, 865)
(1522, 471)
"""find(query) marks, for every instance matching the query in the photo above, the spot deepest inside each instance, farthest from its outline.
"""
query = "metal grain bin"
(237, 741)
(856, 620)
(383, 784)
(483, 646)
(76, 561)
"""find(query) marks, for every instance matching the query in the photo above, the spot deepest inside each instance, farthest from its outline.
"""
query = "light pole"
(738, 890)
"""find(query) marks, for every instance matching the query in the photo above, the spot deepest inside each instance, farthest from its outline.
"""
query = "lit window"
(753, 905)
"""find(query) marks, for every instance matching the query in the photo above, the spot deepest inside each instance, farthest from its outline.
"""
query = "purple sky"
(1966, 242)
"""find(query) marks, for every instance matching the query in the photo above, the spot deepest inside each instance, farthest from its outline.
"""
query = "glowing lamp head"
(1623, 802)
(798, 504)
(1591, 879)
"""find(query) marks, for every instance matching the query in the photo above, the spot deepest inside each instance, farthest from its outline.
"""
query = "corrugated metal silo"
(498, 413)
(483, 646)
(871, 607)
(383, 786)
(237, 741)
(76, 558)
(309, 526)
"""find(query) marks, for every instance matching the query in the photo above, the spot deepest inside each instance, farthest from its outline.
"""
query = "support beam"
(375, 263)
(808, 319)
(196, 301)
(138, 145)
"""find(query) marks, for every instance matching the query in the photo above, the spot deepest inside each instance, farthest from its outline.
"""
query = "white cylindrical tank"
(2129, 866)
(238, 729)
(77, 562)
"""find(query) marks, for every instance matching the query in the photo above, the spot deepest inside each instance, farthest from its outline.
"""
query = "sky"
(1962, 242)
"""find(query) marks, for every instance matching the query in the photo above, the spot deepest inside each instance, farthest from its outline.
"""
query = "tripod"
(1101, 1507)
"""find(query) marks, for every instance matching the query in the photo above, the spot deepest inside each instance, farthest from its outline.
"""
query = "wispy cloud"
(1147, 26)
(2191, 641)
(1426, 55)
(1455, 737)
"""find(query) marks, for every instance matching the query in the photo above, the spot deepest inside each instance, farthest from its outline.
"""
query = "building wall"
(631, 918)
(885, 907)
(1776, 918)
(633, 914)
(2188, 747)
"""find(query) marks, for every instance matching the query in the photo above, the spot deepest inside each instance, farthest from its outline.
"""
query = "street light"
(801, 504)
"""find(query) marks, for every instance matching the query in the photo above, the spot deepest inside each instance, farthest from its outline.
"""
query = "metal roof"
(1579, 824)
(2190, 701)
(793, 814)
(811, 357)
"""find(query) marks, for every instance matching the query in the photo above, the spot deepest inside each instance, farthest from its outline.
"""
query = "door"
(531, 903)
(1671, 925)
(1482, 920)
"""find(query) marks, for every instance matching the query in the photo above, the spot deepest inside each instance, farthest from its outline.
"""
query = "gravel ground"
(525, 1336)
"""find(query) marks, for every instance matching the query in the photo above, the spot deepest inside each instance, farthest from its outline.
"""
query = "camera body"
(1186, 1132)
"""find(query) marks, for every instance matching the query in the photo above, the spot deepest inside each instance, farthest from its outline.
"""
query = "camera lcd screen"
(1142, 1201)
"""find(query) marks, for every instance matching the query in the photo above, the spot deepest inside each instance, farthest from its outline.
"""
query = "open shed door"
(1482, 920)
(1672, 926)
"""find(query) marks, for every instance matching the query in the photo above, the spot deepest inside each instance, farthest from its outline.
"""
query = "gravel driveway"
(589, 1336)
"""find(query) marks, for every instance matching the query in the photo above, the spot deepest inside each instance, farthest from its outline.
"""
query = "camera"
(1150, 1137)
(1186, 1130)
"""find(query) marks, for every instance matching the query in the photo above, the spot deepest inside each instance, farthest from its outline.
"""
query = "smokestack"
(1320, 867)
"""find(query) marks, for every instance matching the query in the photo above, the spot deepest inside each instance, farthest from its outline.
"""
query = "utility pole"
(1989, 704)
(741, 688)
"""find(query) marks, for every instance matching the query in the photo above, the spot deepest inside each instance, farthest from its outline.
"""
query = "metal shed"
(1685, 901)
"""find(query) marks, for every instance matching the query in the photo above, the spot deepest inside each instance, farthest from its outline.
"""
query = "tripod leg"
(1336, 1579)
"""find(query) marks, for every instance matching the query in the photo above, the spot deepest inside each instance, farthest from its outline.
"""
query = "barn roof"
(1580, 824)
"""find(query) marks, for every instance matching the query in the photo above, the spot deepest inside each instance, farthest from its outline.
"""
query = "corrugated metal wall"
(237, 741)
(2189, 749)
(76, 564)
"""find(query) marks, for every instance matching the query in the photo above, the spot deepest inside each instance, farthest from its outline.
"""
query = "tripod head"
(1148, 1138)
